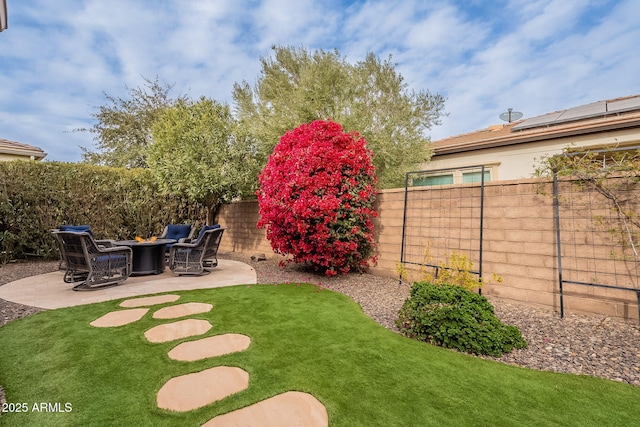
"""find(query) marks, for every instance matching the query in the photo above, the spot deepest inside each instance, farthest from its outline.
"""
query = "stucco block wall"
(519, 242)
(519, 246)
(241, 234)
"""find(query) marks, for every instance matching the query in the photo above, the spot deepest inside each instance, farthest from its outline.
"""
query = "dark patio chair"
(197, 257)
(77, 228)
(178, 232)
(89, 265)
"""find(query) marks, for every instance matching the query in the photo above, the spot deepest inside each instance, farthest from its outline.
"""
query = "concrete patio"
(49, 290)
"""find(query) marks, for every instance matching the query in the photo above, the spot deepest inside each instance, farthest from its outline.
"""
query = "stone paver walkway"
(196, 390)
(292, 408)
(182, 310)
(210, 347)
(193, 391)
(120, 318)
(177, 330)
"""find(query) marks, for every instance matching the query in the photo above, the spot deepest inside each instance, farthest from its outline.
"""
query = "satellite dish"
(511, 115)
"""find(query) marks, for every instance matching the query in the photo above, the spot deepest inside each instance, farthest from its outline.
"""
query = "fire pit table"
(148, 256)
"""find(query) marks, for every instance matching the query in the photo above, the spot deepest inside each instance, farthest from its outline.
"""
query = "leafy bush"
(316, 198)
(452, 317)
(457, 270)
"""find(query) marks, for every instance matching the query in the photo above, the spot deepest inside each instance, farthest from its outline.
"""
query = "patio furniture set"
(93, 264)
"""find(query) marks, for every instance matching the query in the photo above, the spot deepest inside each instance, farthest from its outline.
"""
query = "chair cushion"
(178, 231)
(203, 229)
(78, 228)
(112, 257)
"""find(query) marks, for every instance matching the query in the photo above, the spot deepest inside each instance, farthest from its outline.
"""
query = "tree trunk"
(213, 209)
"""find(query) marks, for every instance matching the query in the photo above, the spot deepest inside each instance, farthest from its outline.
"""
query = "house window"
(433, 180)
(476, 176)
(453, 176)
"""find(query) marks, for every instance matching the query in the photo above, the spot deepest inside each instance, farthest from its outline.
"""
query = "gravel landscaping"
(578, 344)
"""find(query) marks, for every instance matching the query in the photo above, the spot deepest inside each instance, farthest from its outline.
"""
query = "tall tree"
(296, 86)
(123, 129)
(199, 152)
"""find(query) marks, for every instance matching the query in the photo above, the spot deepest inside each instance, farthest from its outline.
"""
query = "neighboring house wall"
(513, 150)
(519, 161)
(519, 246)
(6, 157)
(11, 150)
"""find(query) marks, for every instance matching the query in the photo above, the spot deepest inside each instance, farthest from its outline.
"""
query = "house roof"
(601, 116)
(20, 149)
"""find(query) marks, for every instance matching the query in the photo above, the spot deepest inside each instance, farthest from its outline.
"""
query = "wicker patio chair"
(178, 232)
(198, 257)
(89, 265)
(104, 243)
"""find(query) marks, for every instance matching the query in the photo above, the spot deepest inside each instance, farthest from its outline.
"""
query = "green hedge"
(117, 203)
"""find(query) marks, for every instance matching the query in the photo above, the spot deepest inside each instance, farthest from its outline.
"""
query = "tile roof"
(12, 147)
(591, 118)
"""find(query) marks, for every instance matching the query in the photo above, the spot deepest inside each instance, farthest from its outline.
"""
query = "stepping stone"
(119, 318)
(182, 310)
(140, 302)
(193, 391)
(177, 330)
(209, 347)
(292, 408)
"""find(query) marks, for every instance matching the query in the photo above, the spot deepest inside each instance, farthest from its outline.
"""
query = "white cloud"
(564, 65)
(57, 58)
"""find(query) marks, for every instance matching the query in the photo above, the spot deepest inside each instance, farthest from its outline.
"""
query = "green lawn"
(302, 339)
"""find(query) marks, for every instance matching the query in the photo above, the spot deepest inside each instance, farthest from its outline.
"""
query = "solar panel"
(625, 104)
(537, 121)
(589, 110)
(595, 109)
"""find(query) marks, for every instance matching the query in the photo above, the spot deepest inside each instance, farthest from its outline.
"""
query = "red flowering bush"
(316, 198)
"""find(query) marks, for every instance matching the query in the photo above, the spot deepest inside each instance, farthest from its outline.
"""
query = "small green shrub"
(451, 316)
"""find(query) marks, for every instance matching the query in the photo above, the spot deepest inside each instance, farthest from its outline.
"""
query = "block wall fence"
(519, 246)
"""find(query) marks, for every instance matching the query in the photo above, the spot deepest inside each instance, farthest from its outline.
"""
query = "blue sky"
(58, 58)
